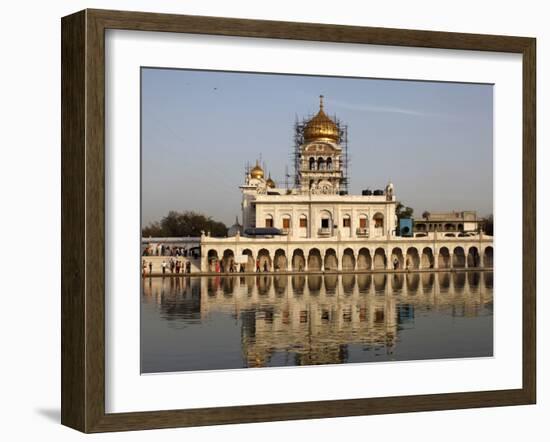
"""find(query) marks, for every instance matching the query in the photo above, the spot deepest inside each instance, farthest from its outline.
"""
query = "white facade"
(317, 226)
(317, 207)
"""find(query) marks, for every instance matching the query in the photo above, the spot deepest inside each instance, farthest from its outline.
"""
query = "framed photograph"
(267, 220)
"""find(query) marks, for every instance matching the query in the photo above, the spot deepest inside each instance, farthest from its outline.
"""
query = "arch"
(298, 284)
(212, 259)
(348, 260)
(280, 262)
(264, 284)
(397, 282)
(488, 279)
(380, 282)
(449, 227)
(314, 284)
(378, 220)
(331, 281)
(325, 218)
(397, 260)
(428, 279)
(314, 260)
(364, 260)
(488, 257)
(450, 235)
(346, 224)
(280, 283)
(269, 220)
(228, 261)
(413, 282)
(444, 258)
(302, 226)
(348, 283)
(474, 279)
(331, 260)
(298, 260)
(364, 282)
(263, 262)
(329, 163)
(459, 281)
(249, 266)
(459, 259)
(444, 281)
(286, 222)
(379, 261)
(311, 163)
(427, 260)
(473, 257)
(412, 259)
(320, 163)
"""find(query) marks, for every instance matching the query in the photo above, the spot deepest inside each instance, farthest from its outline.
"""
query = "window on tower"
(303, 221)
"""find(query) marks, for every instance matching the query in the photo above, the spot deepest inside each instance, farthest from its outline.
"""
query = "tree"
(402, 211)
(152, 229)
(186, 223)
(425, 214)
(487, 224)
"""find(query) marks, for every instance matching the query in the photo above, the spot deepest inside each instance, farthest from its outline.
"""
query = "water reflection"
(193, 323)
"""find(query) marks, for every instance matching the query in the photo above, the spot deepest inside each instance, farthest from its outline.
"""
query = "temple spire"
(321, 104)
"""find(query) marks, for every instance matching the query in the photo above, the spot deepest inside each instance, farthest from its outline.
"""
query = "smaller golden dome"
(270, 183)
(321, 127)
(257, 172)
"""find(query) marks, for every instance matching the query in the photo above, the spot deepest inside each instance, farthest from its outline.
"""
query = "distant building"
(454, 223)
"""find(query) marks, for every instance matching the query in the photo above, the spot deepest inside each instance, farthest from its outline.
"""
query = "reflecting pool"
(270, 320)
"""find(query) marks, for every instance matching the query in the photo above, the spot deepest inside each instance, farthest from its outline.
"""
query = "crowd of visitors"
(174, 266)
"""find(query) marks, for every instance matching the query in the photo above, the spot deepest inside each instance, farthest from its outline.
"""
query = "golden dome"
(270, 183)
(321, 127)
(257, 172)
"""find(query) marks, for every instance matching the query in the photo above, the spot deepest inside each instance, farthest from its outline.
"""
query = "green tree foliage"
(402, 211)
(186, 223)
(487, 225)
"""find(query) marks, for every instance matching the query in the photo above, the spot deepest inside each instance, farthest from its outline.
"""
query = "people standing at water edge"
(163, 267)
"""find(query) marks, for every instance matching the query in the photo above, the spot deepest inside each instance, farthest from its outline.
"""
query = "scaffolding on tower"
(295, 155)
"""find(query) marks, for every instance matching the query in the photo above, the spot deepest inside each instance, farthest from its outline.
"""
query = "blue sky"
(434, 140)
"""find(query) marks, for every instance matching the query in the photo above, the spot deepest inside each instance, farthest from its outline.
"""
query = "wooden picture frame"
(83, 220)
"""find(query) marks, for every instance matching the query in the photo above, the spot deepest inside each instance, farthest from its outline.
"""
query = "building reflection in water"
(314, 319)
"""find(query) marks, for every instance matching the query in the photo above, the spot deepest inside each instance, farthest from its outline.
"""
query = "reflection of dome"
(321, 127)
(270, 183)
(257, 172)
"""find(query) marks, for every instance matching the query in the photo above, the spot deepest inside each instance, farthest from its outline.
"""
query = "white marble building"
(317, 226)
(317, 207)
